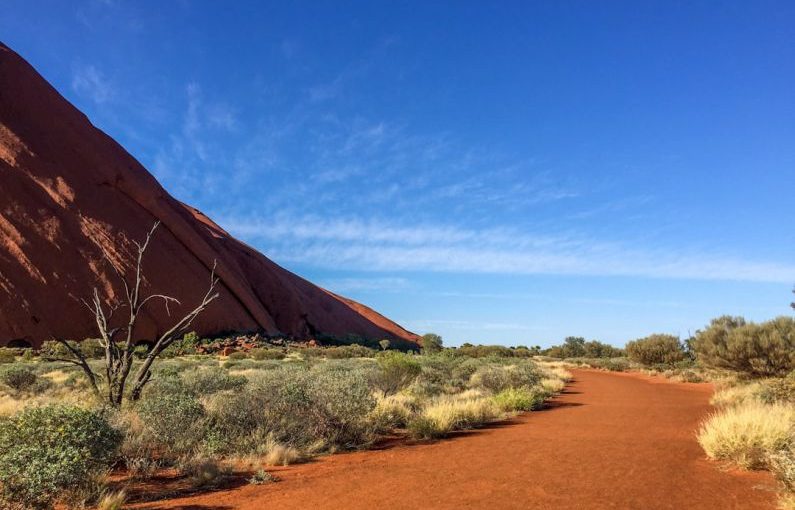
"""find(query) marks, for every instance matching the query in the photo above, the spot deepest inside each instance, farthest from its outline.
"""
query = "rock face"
(69, 192)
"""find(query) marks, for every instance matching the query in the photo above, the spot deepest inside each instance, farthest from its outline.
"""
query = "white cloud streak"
(90, 82)
(356, 244)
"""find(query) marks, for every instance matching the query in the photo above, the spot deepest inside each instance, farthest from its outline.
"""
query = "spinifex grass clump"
(748, 433)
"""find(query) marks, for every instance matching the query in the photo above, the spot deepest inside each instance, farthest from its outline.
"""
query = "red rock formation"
(68, 191)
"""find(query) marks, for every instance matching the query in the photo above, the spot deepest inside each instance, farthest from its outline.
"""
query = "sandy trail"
(611, 441)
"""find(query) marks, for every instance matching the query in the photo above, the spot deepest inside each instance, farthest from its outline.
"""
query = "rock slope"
(69, 192)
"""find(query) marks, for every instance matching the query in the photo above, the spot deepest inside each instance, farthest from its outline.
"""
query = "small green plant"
(203, 471)
(261, 477)
(48, 452)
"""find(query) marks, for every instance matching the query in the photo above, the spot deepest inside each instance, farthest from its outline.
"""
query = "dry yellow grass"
(552, 386)
(746, 434)
(393, 411)
(112, 501)
(735, 395)
(555, 370)
(468, 409)
(281, 455)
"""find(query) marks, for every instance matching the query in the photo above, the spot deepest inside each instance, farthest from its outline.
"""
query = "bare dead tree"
(119, 342)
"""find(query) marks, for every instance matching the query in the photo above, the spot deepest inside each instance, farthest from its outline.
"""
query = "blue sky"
(505, 172)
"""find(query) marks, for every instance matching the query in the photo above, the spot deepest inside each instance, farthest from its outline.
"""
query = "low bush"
(91, 348)
(323, 409)
(212, 380)
(520, 399)
(756, 350)
(394, 411)
(174, 420)
(7, 355)
(423, 427)
(778, 390)
(262, 353)
(487, 351)
(262, 477)
(747, 434)
(496, 378)
(782, 464)
(203, 472)
(49, 453)
(395, 371)
(233, 422)
(656, 350)
(18, 378)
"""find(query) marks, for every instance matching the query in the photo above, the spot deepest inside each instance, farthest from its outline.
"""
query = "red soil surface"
(69, 193)
(610, 441)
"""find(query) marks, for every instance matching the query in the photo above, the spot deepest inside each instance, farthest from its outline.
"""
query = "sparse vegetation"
(199, 413)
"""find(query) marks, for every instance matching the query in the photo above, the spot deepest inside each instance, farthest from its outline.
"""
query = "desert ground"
(608, 441)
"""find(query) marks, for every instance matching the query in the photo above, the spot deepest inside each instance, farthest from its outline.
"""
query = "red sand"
(611, 441)
(68, 192)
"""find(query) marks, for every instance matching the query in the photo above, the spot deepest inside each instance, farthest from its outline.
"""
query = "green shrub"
(46, 453)
(520, 399)
(485, 351)
(91, 348)
(18, 378)
(396, 371)
(261, 353)
(319, 409)
(757, 350)
(495, 378)
(173, 419)
(431, 343)
(349, 351)
(421, 427)
(234, 421)
(238, 355)
(779, 390)
(656, 349)
(211, 380)
(183, 346)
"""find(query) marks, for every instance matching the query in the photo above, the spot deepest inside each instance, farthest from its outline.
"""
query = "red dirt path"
(611, 441)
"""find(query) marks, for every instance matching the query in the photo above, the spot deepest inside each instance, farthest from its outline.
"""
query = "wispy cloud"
(462, 325)
(385, 284)
(90, 82)
(185, 160)
(377, 246)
